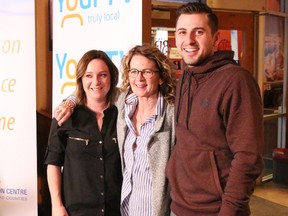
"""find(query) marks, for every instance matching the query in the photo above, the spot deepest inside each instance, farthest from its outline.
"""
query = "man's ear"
(216, 38)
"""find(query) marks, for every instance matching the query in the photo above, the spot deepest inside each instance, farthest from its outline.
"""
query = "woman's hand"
(54, 178)
(63, 111)
(59, 211)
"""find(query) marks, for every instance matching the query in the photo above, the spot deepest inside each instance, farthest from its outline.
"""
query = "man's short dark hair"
(197, 8)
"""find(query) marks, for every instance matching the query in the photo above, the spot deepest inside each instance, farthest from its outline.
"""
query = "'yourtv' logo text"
(71, 7)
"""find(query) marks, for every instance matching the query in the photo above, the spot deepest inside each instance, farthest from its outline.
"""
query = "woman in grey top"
(145, 130)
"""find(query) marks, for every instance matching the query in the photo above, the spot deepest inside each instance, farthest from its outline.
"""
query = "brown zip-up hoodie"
(219, 132)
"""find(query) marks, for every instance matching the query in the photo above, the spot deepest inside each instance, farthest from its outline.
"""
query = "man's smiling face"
(194, 39)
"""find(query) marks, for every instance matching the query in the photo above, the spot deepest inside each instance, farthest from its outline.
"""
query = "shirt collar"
(132, 100)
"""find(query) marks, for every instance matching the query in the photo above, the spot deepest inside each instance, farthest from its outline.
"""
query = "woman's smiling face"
(96, 80)
(141, 86)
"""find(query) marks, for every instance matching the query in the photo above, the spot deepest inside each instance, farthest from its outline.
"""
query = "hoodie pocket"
(215, 172)
(194, 176)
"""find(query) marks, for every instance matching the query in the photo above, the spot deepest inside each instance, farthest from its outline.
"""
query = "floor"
(273, 192)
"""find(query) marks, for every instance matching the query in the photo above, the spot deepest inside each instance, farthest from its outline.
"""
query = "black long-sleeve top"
(90, 159)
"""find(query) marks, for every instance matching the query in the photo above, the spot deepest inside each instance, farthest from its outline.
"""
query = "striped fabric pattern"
(136, 193)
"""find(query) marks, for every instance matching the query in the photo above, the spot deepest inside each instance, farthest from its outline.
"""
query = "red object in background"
(224, 44)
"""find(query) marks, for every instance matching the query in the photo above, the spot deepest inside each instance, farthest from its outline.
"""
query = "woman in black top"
(86, 145)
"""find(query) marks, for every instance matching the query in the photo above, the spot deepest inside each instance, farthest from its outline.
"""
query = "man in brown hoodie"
(219, 124)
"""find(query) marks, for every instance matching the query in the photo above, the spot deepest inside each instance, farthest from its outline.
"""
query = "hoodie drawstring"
(189, 104)
(190, 76)
(179, 96)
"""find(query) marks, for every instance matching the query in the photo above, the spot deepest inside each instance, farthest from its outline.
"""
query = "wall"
(43, 58)
(43, 98)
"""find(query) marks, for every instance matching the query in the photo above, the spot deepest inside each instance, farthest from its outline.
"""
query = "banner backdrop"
(113, 26)
(18, 160)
